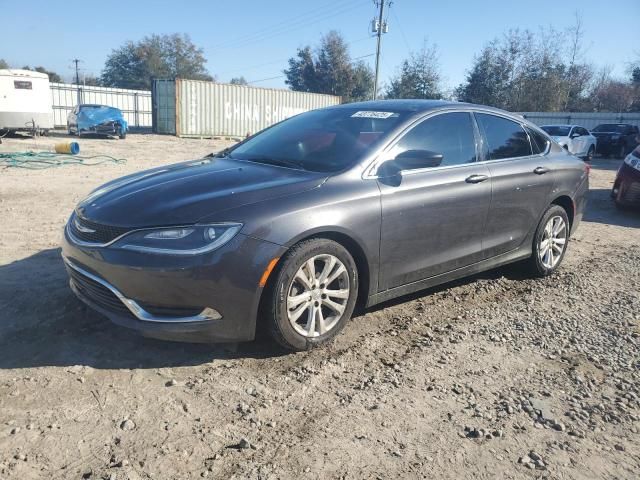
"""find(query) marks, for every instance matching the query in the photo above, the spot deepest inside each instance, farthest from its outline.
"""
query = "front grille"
(105, 298)
(97, 293)
(100, 234)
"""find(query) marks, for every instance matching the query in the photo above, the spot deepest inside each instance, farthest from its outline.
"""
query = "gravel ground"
(493, 376)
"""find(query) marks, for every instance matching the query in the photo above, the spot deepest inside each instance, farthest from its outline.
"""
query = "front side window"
(449, 134)
(505, 138)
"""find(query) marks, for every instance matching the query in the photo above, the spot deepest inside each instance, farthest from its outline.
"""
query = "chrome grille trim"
(140, 313)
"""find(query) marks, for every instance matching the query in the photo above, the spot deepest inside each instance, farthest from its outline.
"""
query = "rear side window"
(505, 139)
(539, 142)
(450, 134)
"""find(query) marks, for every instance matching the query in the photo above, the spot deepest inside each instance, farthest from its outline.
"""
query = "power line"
(285, 23)
(291, 27)
(265, 79)
(284, 60)
(404, 37)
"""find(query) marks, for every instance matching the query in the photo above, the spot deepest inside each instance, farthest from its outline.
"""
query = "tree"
(92, 81)
(329, 70)
(525, 72)
(419, 76)
(238, 81)
(3, 64)
(301, 75)
(133, 65)
(53, 76)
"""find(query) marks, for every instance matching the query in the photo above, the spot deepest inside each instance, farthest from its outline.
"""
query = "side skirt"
(488, 264)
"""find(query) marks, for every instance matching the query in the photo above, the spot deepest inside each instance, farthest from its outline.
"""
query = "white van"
(25, 101)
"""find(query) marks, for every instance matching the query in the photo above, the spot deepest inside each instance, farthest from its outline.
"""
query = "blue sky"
(254, 38)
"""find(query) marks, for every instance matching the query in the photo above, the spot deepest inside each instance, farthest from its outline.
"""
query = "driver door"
(433, 218)
(581, 142)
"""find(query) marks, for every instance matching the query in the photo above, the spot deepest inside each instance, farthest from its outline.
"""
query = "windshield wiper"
(282, 162)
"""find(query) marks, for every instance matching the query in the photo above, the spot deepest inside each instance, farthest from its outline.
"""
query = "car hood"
(186, 192)
(560, 139)
(599, 134)
(92, 117)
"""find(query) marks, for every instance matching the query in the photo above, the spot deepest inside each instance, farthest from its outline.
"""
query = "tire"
(292, 316)
(590, 154)
(541, 264)
(122, 135)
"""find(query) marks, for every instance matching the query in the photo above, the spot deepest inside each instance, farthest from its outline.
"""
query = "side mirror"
(575, 135)
(414, 159)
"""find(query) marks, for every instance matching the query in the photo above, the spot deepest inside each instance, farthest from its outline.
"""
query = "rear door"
(433, 218)
(521, 182)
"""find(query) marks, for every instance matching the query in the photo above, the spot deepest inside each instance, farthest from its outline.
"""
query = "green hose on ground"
(43, 160)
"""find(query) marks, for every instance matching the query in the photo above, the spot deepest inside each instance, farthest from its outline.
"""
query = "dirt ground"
(495, 376)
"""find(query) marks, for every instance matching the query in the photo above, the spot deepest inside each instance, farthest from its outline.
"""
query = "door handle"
(476, 178)
(540, 170)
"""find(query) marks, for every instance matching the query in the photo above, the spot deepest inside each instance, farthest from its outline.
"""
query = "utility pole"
(380, 27)
(76, 61)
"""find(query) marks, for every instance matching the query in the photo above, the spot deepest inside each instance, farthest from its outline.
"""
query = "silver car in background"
(574, 138)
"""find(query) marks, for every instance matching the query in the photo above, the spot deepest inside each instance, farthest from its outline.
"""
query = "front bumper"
(626, 188)
(605, 145)
(107, 128)
(205, 298)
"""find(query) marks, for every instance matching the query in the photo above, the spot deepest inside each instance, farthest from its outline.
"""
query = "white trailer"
(25, 101)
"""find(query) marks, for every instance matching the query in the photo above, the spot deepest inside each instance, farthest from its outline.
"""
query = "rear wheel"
(313, 294)
(550, 242)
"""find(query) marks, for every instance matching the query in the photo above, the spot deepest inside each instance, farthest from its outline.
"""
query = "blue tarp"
(90, 117)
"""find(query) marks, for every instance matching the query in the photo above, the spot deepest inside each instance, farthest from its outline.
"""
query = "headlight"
(190, 240)
(632, 161)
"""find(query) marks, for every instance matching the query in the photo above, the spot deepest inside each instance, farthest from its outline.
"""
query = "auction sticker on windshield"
(368, 114)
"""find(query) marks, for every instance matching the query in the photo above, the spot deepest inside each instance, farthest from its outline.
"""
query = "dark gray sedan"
(290, 229)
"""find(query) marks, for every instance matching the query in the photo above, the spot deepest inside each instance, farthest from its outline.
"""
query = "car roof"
(415, 105)
(94, 105)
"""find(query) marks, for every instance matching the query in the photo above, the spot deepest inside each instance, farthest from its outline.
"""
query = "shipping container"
(195, 108)
(587, 120)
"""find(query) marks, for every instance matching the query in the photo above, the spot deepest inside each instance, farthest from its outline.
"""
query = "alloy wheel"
(317, 296)
(553, 242)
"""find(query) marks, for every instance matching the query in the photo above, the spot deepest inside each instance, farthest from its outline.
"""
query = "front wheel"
(550, 242)
(313, 295)
(590, 154)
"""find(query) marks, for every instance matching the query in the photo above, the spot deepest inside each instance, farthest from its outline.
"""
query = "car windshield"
(325, 140)
(556, 130)
(609, 127)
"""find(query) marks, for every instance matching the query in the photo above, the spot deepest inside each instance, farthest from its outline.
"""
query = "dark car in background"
(291, 228)
(97, 119)
(615, 139)
(626, 188)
